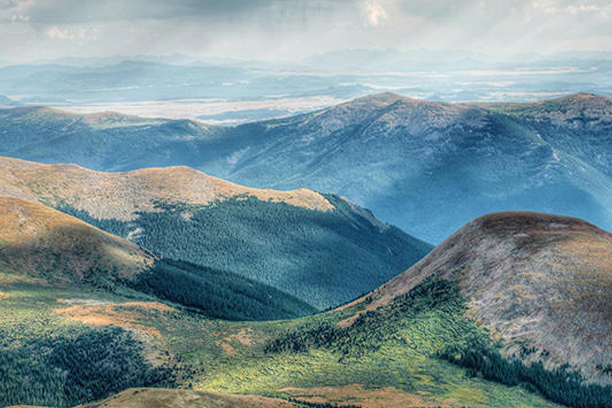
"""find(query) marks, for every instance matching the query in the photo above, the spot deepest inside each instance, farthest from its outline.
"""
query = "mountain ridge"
(404, 159)
(534, 279)
(122, 194)
(319, 248)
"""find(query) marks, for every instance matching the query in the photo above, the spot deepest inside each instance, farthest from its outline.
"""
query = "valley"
(301, 242)
(399, 346)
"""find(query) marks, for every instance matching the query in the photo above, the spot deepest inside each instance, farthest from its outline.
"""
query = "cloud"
(84, 33)
(572, 8)
(294, 29)
(56, 33)
(21, 18)
(84, 11)
(373, 12)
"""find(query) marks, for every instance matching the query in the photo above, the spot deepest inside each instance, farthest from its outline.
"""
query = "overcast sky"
(294, 29)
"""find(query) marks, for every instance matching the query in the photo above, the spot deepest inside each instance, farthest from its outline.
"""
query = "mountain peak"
(582, 98)
(384, 96)
(508, 229)
(388, 98)
(540, 279)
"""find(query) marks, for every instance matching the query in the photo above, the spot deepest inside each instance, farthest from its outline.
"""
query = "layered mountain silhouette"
(426, 167)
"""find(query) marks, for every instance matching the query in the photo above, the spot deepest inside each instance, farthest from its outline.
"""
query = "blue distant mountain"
(6, 101)
(427, 167)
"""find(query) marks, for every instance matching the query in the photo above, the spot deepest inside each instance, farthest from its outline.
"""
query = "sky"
(33, 30)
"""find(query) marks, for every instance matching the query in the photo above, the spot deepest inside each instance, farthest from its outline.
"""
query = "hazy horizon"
(277, 30)
(228, 62)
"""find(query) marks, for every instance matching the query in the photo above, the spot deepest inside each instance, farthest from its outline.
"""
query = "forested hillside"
(322, 258)
(317, 247)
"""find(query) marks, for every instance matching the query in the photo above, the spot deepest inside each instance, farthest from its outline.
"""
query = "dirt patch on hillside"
(227, 348)
(355, 394)
(127, 315)
(243, 336)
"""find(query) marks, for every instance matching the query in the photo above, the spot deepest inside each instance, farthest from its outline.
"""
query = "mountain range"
(427, 167)
(321, 249)
(145, 281)
(185, 80)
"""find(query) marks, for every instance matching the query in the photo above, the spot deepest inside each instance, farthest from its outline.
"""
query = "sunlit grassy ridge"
(36, 240)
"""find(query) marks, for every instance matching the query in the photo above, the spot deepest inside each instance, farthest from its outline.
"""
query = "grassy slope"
(392, 364)
(38, 241)
(49, 357)
(386, 361)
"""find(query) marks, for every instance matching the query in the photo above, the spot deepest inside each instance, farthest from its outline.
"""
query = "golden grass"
(128, 315)
(122, 195)
(34, 238)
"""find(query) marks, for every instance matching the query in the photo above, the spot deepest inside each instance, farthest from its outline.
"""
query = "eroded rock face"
(540, 282)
